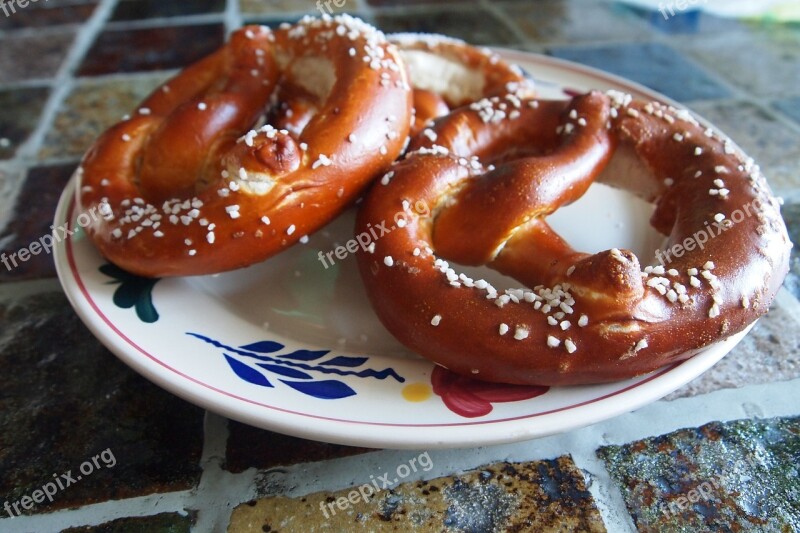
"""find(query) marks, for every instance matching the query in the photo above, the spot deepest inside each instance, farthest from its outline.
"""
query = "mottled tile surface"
(43, 14)
(144, 9)
(774, 146)
(655, 65)
(673, 21)
(90, 109)
(21, 109)
(31, 217)
(768, 354)
(49, 50)
(403, 3)
(71, 399)
(791, 215)
(574, 21)
(163, 523)
(734, 476)
(162, 48)
(269, 7)
(762, 63)
(542, 496)
(250, 447)
(474, 25)
(789, 107)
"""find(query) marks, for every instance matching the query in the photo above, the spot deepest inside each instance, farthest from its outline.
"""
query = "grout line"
(233, 16)
(215, 438)
(506, 19)
(606, 493)
(63, 82)
(789, 303)
(99, 513)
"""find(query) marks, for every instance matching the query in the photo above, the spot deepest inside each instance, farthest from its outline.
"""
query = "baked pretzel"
(193, 183)
(490, 182)
(447, 73)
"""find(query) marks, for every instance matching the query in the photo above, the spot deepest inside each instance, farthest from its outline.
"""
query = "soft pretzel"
(490, 182)
(447, 73)
(192, 183)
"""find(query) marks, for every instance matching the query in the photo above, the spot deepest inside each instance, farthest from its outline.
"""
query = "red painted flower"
(472, 398)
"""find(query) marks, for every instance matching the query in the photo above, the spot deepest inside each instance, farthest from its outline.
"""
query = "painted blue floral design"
(297, 369)
(133, 291)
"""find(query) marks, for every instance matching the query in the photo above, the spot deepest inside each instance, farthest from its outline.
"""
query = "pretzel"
(491, 180)
(193, 184)
(447, 73)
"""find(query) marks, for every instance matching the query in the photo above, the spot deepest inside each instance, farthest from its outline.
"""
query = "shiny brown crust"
(581, 318)
(495, 76)
(192, 184)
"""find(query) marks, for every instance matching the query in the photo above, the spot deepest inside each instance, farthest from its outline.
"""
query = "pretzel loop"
(214, 172)
(490, 179)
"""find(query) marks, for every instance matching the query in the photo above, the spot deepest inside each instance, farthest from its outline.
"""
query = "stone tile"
(271, 21)
(791, 215)
(762, 62)
(474, 25)
(21, 110)
(30, 219)
(733, 476)
(655, 65)
(276, 19)
(404, 3)
(145, 9)
(43, 14)
(277, 7)
(768, 354)
(47, 50)
(574, 21)
(775, 146)
(91, 108)
(250, 447)
(541, 496)
(164, 523)
(70, 400)
(790, 107)
(682, 23)
(161, 48)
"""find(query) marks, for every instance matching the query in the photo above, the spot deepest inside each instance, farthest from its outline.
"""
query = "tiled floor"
(64, 397)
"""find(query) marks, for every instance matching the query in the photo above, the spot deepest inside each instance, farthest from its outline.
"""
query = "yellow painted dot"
(417, 392)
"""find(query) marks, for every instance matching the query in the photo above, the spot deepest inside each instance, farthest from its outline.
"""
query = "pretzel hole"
(445, 76)
(608, 217)
(316, 75)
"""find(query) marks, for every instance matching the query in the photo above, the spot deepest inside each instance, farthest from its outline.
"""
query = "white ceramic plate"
(291, 346)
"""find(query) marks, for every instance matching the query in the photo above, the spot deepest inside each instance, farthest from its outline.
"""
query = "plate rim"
(394, 436)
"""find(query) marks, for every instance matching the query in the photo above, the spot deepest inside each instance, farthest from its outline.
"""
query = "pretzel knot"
(249, 150)
(491, 180)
